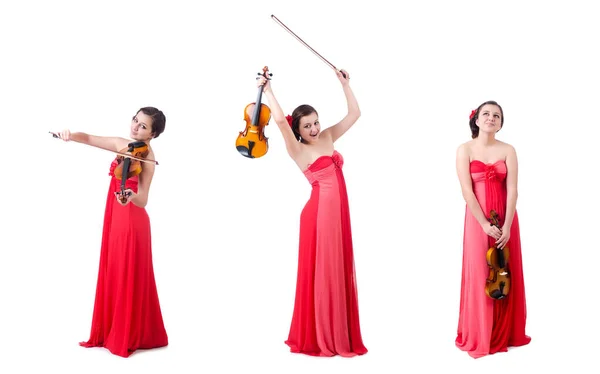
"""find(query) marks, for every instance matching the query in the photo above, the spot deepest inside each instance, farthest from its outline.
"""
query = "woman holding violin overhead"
(325, 320)
(127, 313)
(492, 301)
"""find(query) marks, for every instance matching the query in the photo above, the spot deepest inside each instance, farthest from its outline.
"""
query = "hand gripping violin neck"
(498, 281)
(128, 167)
(252, 142)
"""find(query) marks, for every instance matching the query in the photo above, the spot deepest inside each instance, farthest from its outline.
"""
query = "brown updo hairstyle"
(473, 125)
(158, 119)
(297, 114)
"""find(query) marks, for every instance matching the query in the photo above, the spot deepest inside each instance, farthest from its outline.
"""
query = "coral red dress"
(325, 320)
(487, 326)
(127, 313)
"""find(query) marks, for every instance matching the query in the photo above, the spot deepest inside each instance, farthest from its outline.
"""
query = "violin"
(130, 167)
(252, 142)
(129, 162)
(498, 281)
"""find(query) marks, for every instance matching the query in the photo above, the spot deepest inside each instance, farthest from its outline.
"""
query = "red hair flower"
(289, 119)
(473, 112)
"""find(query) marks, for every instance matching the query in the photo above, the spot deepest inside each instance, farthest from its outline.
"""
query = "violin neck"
(126, 163)
(500, 254)
(258, 105)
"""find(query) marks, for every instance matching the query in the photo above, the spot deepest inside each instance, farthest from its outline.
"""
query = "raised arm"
(466, 185)
(353, 114)
(291, 144)
(104, 142)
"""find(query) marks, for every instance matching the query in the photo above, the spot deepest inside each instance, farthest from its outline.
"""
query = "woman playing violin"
(127, 313)
(325, 320)
(487, 170)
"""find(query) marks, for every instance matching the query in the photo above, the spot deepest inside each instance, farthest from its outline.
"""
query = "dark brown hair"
(297, 114)
(473, 125)
(158, 119)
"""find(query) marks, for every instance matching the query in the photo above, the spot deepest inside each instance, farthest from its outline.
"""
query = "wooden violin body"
(128, 167)
(498, 281)
(252, 142)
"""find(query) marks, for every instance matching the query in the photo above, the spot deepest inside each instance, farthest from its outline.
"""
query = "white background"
(225, 228)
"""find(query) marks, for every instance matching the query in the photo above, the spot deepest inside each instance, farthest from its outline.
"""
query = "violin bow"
(305, 44)
(54, 135)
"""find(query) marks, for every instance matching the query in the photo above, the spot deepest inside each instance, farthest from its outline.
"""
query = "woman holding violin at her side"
(325, 321)
(492, 301)
(127, 313)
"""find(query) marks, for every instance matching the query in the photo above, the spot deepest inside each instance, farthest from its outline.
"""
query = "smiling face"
(141, 127)
(309, 127)
(489, 119)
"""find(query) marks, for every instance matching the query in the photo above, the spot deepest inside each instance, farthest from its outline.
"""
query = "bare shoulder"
(148, 168)
(464, 149)
(326, 134)
(507, 149)
(151, 155)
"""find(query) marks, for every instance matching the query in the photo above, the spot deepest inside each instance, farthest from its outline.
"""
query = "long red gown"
(325, 321)
(487, 326)
(127, 313)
